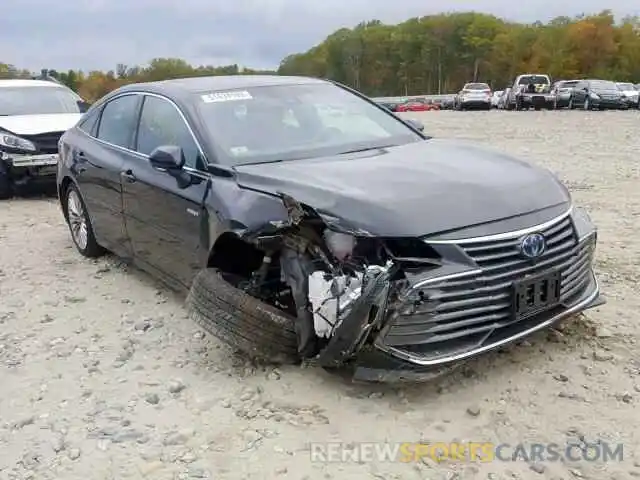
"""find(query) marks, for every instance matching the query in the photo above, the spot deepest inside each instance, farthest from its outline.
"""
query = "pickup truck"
(531, 90)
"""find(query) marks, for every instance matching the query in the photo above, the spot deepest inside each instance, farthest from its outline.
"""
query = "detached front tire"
(79, 224)
(240, 320)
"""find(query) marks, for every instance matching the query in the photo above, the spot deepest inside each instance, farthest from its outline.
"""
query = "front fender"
(229, 208)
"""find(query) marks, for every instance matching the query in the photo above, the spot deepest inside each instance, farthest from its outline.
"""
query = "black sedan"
(308, 223)
(597, 95)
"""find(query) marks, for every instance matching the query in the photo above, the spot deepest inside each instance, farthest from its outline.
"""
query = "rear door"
(98, 158)
(163, 209)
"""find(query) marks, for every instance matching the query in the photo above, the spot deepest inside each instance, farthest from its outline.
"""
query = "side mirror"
(167, 157)
(83, 106)
(417, 124)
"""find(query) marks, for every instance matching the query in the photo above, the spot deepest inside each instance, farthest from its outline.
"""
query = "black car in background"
(307, 222)
(597, 95)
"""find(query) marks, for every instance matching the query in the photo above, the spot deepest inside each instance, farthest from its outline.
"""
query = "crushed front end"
(26, 159)
(410, 308)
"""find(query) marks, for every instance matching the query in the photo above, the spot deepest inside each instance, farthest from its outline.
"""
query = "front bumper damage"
(418, 314)
(28, 169)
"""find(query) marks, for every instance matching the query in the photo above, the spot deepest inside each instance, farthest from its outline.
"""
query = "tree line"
(440, 53)
(95, 84)
(430, 54)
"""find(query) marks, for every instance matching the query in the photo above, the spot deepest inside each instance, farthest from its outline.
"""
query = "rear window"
(626, 86)
(535, 79)
(476, 86)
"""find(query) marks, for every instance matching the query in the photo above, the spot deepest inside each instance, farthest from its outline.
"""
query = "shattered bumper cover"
(466, 307)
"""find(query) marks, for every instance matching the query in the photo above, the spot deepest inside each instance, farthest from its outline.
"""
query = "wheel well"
(231, 254)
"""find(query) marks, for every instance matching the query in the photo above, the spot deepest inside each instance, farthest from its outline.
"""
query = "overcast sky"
(98, 34)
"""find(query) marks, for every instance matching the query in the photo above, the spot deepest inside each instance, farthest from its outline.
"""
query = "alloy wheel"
(77, 220)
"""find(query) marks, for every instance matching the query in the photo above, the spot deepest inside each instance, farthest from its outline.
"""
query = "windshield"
(567, 84)
(626, 86)
(293, 122)
(603, 85)
(37, 100)
(476, 86)
(535, 79)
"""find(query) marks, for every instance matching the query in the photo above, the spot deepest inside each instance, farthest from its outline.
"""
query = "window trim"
(141, 155)
(185, 121)
(81, 123)
(102, 107)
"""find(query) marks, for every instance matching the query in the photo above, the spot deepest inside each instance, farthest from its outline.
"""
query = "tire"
(79, 223)
(240, 320)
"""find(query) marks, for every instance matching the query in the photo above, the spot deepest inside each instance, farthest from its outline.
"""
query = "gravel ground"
(103, 377)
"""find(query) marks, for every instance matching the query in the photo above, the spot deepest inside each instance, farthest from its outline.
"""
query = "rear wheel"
(240, 320)
(80, 224)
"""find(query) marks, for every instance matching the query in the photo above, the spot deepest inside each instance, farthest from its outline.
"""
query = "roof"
(19, 82)
(220, 82)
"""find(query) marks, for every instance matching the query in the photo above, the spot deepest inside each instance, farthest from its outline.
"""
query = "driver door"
(163, 208)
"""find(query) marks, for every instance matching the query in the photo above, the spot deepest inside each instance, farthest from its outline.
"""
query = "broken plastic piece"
(330, 299)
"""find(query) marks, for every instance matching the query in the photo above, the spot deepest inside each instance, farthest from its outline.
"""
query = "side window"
(162, 124)
(89, 122)
(118, 120)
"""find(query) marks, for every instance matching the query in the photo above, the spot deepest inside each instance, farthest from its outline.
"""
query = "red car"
(417, 106)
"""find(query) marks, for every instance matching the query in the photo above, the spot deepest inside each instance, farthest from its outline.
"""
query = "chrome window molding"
(142, 155)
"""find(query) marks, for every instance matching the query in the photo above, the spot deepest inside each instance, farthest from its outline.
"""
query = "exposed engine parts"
(335, 283)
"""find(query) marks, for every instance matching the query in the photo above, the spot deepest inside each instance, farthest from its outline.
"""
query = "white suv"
(33, 116)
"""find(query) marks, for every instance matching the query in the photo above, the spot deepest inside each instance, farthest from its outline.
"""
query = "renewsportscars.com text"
(466, 452)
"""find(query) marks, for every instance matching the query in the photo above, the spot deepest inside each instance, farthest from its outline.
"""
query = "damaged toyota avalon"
(307, 223)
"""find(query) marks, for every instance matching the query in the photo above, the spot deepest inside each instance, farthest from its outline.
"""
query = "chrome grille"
(468, 309)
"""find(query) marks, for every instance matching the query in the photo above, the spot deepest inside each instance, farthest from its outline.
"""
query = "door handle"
(128, 176)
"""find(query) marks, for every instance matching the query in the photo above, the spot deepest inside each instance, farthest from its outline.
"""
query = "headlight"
(11, 142)
(583, 223)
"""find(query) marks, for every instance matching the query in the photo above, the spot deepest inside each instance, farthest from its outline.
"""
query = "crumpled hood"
(35, 124)
(412, 190)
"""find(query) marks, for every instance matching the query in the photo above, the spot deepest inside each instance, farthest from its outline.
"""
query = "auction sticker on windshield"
(230, 96)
